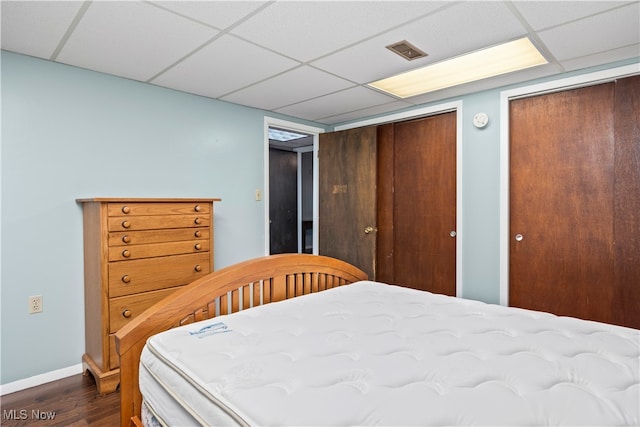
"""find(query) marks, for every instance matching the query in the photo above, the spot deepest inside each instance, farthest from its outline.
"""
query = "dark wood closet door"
(627, 211)
(347, 186)
(562, 202)
(423, 211)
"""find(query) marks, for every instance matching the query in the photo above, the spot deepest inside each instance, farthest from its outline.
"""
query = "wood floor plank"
(72, 401)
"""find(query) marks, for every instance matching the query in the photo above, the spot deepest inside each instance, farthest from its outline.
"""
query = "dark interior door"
(283, 201)
(562, 202)
(347, 186)
(417, 203)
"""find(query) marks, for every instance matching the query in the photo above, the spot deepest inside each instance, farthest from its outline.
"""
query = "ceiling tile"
(442, 35)
(599, 33)
(36, 27)
(541, 15)
(610, 56)
(220, 14)
(131, 39)
(337, 103)
(291, 87)
(305, 30)
(366, 112)
(205, 73)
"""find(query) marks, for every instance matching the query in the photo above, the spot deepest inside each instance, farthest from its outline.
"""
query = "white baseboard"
(40, 379)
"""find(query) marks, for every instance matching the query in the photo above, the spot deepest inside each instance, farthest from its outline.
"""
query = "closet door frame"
(424, 112)
(584, 80)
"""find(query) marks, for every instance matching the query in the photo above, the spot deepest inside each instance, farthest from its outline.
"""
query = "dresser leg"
(106, 382)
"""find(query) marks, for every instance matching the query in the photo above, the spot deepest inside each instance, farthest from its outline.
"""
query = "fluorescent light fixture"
(493, 61)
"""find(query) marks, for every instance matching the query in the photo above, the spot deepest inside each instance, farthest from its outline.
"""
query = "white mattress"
(376, 354)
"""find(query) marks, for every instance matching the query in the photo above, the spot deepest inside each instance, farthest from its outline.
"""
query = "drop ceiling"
(311, 59)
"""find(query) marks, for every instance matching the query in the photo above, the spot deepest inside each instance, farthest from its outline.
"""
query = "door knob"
(519, 237)
(453, 233)
(368, 230)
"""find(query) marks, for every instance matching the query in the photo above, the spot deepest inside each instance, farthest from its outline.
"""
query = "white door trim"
(293, 126)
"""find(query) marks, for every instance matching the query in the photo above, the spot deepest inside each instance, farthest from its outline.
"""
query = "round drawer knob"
(197, 246)
(126, 238)
(126, 313)
(126, 209)
(198, 268)
(126, 224)
(126, 253)
(197, 208)
(126, 278)
(198, 233)
(198, 221)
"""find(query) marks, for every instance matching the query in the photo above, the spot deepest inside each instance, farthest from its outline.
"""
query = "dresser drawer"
(157, 249)
(132, 209)
(122, 310)
(123, 238)
(149, 222)
(143, 275)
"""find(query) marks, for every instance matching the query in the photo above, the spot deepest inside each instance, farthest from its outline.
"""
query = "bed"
(281, 340)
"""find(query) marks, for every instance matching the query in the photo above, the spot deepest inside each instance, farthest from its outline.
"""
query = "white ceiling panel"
(442, 35)
(353, 99)
(599, 33)
(305, 30)
(312, 59)
(628, 52)
(131, 39)
(542, 15)
(291, 87)
(204, 72)
(366, 112)
(219, 14)
(36, 27)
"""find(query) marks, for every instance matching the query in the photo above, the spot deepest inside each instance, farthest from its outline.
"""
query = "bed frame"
(231, 289)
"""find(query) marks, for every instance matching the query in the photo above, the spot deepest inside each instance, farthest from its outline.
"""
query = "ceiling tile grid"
(292, 87)
(224, 66)
(490, 23)
(36, 28)
(131, 39)
(594, 34)
(311, 59)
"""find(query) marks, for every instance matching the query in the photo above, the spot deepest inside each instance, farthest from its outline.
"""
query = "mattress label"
(214, 328)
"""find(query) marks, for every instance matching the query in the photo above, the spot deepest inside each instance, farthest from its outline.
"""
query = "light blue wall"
(69, 133)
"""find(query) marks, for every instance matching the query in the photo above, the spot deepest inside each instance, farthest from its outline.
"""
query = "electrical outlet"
(35, 304)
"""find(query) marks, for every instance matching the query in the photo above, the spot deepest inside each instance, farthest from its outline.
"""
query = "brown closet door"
(562, 202)
(627, 212)
(347, 186)
(424, 203)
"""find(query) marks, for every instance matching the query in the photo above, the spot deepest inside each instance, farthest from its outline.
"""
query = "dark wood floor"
(72, 401)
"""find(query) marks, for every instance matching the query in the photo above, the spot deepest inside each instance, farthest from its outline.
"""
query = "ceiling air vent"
(406, 50)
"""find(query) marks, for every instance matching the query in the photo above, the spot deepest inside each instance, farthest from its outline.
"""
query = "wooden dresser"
(136, 251)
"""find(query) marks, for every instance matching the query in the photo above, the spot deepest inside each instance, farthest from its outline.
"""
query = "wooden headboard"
(231, 289)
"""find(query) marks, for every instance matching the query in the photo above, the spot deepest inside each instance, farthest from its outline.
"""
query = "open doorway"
(291, 187)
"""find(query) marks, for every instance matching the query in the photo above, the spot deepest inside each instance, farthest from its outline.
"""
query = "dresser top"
(147, 200)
